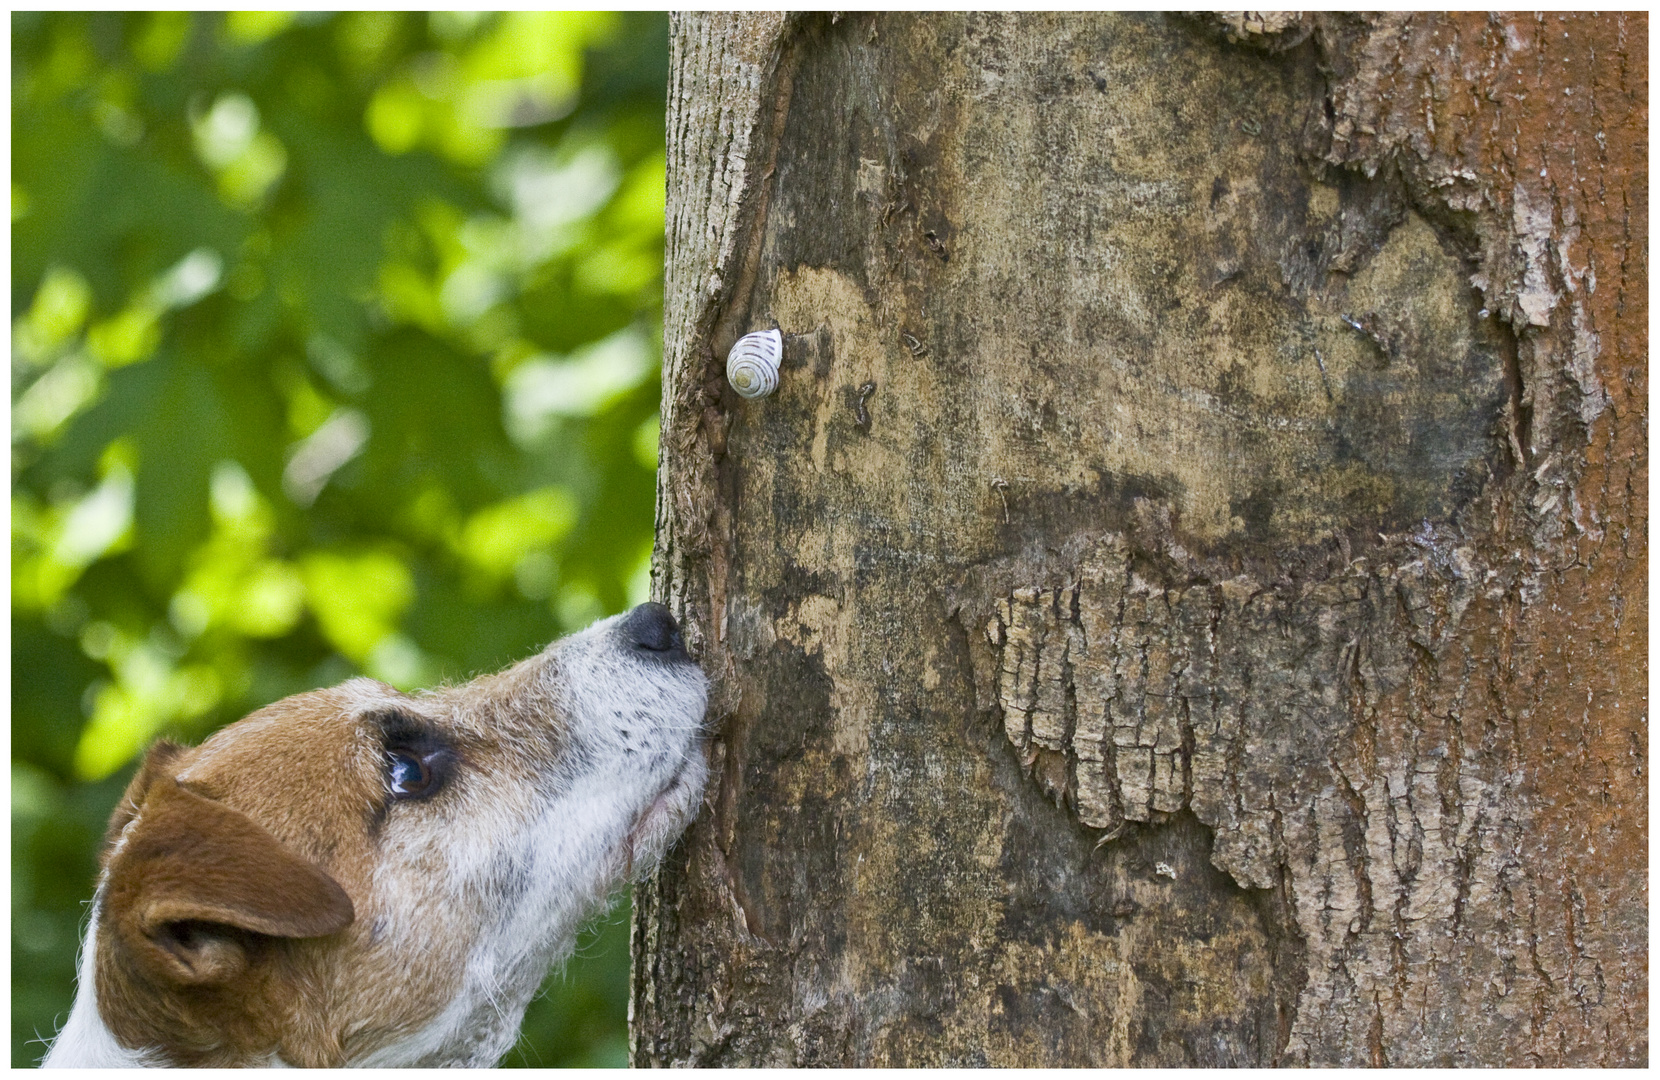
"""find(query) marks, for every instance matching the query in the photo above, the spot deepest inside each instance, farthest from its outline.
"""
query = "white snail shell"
(752, 365)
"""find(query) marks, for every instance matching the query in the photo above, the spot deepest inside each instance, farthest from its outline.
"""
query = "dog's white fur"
(583, 765)
(85, 1042)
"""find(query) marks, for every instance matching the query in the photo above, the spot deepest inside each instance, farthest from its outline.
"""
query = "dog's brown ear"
(195, 880)
(158, 761)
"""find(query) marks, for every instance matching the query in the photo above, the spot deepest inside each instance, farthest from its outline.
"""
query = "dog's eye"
(408, 776)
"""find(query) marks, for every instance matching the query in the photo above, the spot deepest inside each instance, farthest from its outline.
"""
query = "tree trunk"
(1186, 602)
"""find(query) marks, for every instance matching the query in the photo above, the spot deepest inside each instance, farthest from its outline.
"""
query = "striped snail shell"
(752, 365)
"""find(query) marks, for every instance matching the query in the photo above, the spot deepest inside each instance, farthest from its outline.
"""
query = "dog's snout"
(651, 627)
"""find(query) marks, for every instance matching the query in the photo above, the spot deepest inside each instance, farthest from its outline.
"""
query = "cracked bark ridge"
(1221, 637)
(1129, 698)
(1290, 718)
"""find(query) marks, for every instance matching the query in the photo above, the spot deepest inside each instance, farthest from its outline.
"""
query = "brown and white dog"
(357, 876)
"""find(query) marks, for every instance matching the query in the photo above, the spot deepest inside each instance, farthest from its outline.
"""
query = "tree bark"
(1186, 602)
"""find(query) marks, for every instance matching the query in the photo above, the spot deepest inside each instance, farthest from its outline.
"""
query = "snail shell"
(752, 365)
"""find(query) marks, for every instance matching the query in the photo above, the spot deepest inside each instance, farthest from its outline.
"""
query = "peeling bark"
(1186, 602)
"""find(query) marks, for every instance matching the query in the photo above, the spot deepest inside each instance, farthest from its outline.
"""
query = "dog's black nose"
(652, 627)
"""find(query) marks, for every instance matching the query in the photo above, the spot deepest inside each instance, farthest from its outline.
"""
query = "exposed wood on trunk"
(1186, 602)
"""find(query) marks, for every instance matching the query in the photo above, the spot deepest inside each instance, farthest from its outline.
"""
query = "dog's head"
(357, 875)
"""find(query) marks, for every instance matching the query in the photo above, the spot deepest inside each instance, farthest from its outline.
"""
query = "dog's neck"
(86, 1042)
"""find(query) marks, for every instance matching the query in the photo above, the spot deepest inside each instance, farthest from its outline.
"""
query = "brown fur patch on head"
(162, 755)
(308, 768)
(230, 875)
(241, 915)
(197, 902)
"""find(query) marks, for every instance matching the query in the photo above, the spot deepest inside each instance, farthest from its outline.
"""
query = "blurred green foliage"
(334, 350)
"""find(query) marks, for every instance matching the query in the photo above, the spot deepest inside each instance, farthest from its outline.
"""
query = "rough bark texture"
(1186, 602)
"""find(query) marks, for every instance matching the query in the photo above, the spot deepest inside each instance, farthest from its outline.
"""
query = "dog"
(358, 876)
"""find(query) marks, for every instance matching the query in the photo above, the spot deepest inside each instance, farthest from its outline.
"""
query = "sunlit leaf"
(540, 390)
(131, 335)
(232, 583)
(60, 308)
(640, 204)
(617, 268)
(245, 179)
(192, 278)
(499, 537)
(96, 522)
(397, 660)
(395, 116)
(162, 38)
(226, 130)
(321, 454)
(252, 27)
(366, 36)
(357, 597)
(52, 399)
(150, 692)
(645, 443)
